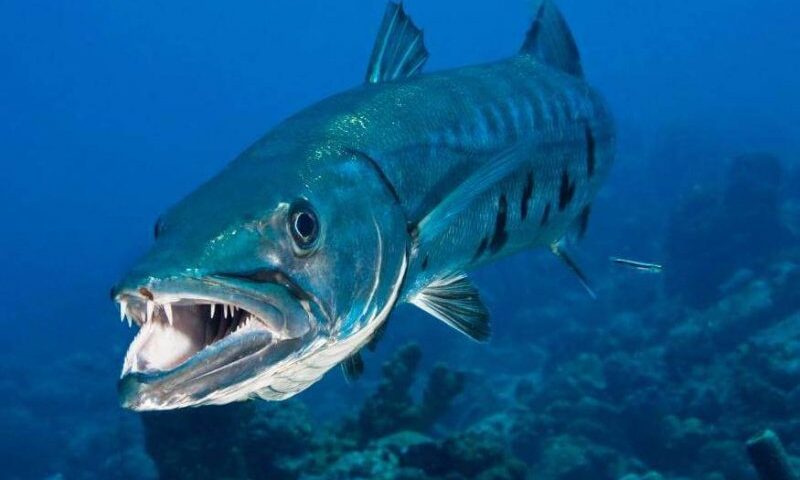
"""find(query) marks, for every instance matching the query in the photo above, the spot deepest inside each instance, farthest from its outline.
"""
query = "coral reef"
(261, 440)
(681, 401)
(391, 407)
(61, 419)
(712, 228)
(664, 378)
(250, 440)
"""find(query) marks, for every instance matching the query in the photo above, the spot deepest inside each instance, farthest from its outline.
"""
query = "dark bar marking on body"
(492, 125)
(509, 120)
(591, 147)
(583, 221)
(545, 215)
(425, 262)
(566, 191)
(527, 193)
(500, 236)
(481, 249)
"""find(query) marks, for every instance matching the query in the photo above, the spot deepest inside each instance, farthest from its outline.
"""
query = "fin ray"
(353, 367)
(399, 50)
(551, 41)
(455, 301)
(562, 254)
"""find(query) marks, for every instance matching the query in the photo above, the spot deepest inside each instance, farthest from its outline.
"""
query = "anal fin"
(399, 50)
(455, 301)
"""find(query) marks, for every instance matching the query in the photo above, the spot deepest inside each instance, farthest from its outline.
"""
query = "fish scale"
(555, 131)
(429, 134)
(387, 193)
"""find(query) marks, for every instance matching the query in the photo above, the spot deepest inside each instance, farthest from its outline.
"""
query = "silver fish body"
(289, 261)
(429, 134)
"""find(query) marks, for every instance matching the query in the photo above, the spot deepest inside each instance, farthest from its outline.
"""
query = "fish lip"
(183, 387)
(242, 355)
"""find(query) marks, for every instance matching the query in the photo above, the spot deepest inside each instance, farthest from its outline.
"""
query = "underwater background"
(112, 111)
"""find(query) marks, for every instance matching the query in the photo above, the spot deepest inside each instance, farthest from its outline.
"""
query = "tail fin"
(550, 40)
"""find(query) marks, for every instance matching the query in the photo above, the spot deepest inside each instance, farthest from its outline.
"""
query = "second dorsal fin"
(550, 39)
(399, 50)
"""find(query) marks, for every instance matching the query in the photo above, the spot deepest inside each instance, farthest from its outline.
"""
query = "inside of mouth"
(171, 334)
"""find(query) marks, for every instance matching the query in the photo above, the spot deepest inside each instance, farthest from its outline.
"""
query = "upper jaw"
(183, 355)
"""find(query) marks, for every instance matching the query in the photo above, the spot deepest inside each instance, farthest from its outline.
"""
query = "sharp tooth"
(150, 307)
(123, 310)
(168, 311)
(225, 310)
(130, 322)
(213, 308)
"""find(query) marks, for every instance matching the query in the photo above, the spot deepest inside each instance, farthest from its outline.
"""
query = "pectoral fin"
(455, 301)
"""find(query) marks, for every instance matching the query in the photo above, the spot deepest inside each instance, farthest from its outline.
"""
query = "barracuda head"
(261, 281)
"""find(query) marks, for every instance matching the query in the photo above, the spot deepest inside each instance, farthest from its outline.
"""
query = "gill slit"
(363, 316)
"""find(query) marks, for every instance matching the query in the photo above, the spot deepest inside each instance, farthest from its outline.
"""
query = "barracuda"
(289, 261)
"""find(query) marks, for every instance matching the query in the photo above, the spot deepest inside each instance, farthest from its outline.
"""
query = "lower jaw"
(221, 373)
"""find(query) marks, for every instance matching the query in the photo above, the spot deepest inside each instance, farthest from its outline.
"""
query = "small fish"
(288, 262)
(639, 266)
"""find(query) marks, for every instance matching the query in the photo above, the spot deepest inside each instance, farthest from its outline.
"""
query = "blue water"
(112, 111)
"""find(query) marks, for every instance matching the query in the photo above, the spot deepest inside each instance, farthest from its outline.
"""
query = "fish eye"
(303, 225)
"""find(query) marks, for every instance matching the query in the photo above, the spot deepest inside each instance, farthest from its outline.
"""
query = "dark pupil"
(305, 225)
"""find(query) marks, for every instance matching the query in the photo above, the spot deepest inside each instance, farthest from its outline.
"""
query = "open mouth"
(212, 341)
(172, 333)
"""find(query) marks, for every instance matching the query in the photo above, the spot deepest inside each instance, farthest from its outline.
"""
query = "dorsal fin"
(455, 301)
(550, 40)
(399, 50)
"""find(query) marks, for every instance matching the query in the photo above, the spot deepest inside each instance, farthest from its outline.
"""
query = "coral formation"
(663, 378)
(279, 441)
(712, 227)
(391, 407)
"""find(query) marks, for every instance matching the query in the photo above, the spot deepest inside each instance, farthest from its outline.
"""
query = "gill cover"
(361, 263)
